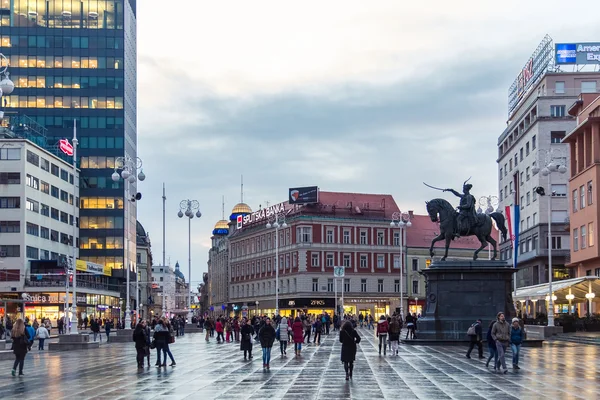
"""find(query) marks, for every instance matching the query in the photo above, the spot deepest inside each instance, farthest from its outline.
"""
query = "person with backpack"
(394, 330)
(475, 334)
(381, 333)
(516, 339)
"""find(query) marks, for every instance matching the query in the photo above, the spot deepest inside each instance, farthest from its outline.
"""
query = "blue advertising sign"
(566, 53)
(577, 53)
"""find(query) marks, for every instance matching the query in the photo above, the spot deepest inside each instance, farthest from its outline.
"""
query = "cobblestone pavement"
(211, 371)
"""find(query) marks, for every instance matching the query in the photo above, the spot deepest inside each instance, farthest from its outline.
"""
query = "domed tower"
(221, 228)
(178, 273)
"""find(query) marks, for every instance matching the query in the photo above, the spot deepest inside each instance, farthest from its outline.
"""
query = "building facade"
(76, 60)
(343, 229)
(144, 268)
(38, 225)
(533, 137)
(163, 277)
(584, 144)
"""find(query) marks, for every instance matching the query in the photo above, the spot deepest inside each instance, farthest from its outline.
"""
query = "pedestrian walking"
(139, 338)
(516, 339)
(318, 326)
(394, 331)
(382, 333)
(107, 327)
(219, 329)
(307, 329)
(266, 335)
(349, 338)
(475, 334)
(501, 335)
(491, 347)
(207, 327)
(42, 334)
(20, 345)
(246, 341)
(297, 335)
(283, 331)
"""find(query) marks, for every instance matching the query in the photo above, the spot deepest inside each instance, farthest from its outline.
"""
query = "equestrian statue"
(464, 221)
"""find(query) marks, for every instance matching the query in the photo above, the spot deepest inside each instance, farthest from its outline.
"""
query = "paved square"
(209, 371)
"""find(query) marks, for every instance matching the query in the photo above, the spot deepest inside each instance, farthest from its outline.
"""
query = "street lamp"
(6, 85)
(490, 203)
(553, 163)
(129, 167)
(75, 321)
(276, 224)
(187, 208)
(401, 220)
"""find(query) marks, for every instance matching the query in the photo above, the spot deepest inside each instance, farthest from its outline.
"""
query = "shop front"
(416, 306)
(306, 305)
(375, 307)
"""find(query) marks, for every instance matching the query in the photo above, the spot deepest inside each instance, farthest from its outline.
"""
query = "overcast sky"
(356, 96)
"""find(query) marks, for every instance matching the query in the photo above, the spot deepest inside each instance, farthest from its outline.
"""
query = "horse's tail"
(500, 222)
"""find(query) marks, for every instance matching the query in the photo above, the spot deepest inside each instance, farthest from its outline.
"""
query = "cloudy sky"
(354, 96)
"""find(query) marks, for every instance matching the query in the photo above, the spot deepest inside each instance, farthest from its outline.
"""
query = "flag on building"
(512, 216)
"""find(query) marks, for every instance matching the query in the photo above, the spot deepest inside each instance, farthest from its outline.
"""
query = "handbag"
(277, 334)
(171, 339)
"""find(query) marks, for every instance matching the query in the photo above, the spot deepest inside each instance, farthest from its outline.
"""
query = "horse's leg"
(437, 239)
(491, 240)
(483, 244)
(448, 240)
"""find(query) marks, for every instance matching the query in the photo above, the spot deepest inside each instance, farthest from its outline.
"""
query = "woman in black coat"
(349, 338)
(246, 342)
(266, 334)
(139, 337)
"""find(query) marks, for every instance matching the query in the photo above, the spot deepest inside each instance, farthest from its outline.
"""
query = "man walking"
(475, 334)
(501, 335)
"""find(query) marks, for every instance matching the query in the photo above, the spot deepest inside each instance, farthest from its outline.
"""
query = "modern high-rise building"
(537, 123)
(76, 60)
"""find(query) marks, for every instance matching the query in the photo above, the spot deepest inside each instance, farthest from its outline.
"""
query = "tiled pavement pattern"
(211, 371)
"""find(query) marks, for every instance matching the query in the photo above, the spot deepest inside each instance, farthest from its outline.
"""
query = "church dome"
(178, 273)
(221, 228)
(240, 209)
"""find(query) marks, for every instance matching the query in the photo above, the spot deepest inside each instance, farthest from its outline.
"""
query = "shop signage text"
(93, 268)
(52, 298)
(307, 303)
(264, 213)
(531, 73)
(65, 147)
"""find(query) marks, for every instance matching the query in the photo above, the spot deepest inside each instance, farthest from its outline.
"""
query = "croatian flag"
(512, 216)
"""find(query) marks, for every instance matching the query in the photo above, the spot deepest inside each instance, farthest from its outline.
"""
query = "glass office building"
(76, 60)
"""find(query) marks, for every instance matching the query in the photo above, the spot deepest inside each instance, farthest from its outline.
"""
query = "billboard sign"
(263, 214)
(304, 195)
(536, 66)
(577, 53)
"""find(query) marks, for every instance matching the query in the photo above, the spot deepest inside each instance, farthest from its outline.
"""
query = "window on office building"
(363, 261)
(380, 286)
(315, 284)
(396, 285)
(314, 257)
(346, 236)
(329, 260)
(363, 285)
(380, 261)
(557, 111)
(559, 87)
(346, 285)
(363, 237)
(330, 285)
(582, 230)
(415, 287)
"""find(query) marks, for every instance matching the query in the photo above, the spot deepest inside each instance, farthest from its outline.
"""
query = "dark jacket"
(394, 330)
(266, 336)
(20, 345)
(516, 335)
(246, 342)
(139, 337)
(501, 331)
(161, 333)
(490, 340)
(349, 339)
(318, 325)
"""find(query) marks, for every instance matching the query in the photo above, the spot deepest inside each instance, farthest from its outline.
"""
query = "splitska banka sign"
(264, 214)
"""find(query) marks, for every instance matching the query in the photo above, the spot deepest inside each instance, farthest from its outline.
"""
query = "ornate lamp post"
(552, 163)
(187, 208)
(401, 220)
(278, 222)
(129, 167)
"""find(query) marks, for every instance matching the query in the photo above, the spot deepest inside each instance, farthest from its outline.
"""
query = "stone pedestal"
(459, 293)
(121, 336)
(73, 342)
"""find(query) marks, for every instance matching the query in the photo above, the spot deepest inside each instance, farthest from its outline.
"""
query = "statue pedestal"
(459, 293)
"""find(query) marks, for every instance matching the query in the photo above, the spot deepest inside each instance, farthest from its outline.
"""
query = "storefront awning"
(579, 287)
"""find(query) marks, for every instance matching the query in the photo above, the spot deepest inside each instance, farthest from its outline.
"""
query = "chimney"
(411, 214)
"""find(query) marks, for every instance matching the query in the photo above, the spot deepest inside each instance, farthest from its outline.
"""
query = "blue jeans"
(516, 349)
(298, 346)
(266, 355)
(41, 344)
(166, 350)
(493, 353)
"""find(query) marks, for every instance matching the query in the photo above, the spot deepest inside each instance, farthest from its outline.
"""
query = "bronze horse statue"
(442, 211)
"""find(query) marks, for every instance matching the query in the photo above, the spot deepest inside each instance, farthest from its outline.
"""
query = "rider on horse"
(467, 217)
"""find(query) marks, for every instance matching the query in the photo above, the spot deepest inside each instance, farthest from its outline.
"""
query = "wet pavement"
(210, 371)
